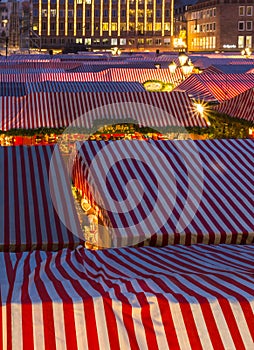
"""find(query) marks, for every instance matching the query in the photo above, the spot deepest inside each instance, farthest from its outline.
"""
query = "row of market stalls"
(175, 219)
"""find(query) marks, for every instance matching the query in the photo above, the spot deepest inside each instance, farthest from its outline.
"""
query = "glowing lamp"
(172, 67)
(182, 58)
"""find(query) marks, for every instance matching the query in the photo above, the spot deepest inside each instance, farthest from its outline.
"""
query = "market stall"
(31, 208)
(168, 192)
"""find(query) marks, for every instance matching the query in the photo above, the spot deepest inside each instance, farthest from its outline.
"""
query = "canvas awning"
(169, 192)
(31, 208)
(176, 297)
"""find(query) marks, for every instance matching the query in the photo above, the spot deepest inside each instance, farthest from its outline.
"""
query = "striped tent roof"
(111, 74)
(241, 106)
(176, 297)
(183, 191)
(64, 86)
(56, 110)
(30, 217)
(216, 86)
(12, 89)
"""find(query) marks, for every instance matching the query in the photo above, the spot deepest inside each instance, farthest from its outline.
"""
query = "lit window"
(88, 2)
(88, 41)
(249, 41)
(248, 25)
(158, 26)
(241, 25)
(113, 41)
(114, 26)
(44, 12)
(105, 26)
(241, 10)
(240, 42)
(79, 1)
(79, 41)
(249, 10)
(122, 41)
(53, 13)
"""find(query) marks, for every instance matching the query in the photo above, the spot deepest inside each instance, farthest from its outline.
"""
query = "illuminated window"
(88, 41)
(122, 41)
(149, 41)
(53, 13)
(157, 41)
(249, 41)
(79, 41)
(44, 12)
(105, 26)
(79, 1)
(88, 2)
(241, 10)
(241, 25)
(114, 26)
(240, 42)
(105, 41)
(113, 41)
(158, 26)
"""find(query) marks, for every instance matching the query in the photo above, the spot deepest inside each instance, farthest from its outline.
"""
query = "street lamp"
(187, 68)
(182, 58)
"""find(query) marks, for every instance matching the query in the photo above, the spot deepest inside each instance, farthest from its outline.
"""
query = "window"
(240, 42)
(249, 10)
(52, 26)
(241, 25)
(157, 41)
(88, 41)
(88, 13)
(214, 26)
(214, 12)
(105, 41)
(114, 13)
(70, 26)
(105, 13)
(79, 1)
(35, 12)
(249, 41)
(44, 26)
(123, 13)
(248, 25)
(96, 13)
(114, 41)
(61, 26)
(79, 26)
(53, 13)
(105, 26)
(158, 13)
(79, 13)
(114, 26)
(88, 2)
(122, 41)
(70, 13)
(241, 10)
(79, 41)
(61, 13)
(44, 12)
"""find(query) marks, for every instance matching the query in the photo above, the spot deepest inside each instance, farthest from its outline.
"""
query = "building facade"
(103, 24)
(220, 25)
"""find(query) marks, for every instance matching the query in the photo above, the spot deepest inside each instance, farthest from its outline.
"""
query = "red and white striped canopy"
(31, 209)
(176, 297)
(56, 110)
(241, 106)
(170, 192)
(217, 86)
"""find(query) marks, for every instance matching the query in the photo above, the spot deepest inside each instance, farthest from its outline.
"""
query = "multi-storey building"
(131, 24)
(220, 25)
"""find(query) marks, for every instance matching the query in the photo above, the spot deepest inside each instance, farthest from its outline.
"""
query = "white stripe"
(16, 326)
(101, 324)
(38, 326)
(181, 332)
(4, 326)
(59, 326)
(80, 325)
